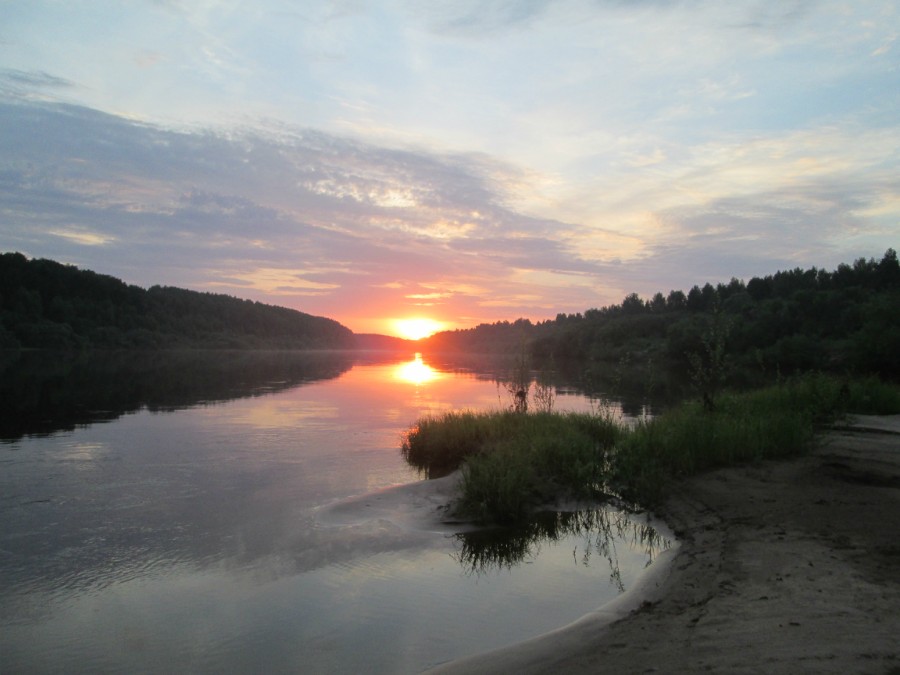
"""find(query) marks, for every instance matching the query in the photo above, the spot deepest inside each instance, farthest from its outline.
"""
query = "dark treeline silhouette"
(846, 320)
(44, 304)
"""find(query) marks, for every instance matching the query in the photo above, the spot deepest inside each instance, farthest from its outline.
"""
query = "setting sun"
(416, 329)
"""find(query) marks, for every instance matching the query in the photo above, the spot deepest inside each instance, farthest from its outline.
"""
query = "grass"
(689, 440)
(871, 396)
(512, 462)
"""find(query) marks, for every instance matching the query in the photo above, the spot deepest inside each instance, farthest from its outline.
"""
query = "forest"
(843, 321)
(47, 305)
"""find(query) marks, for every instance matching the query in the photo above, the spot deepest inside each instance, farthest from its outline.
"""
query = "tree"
(708, 364)
(632, 304)
(676, 300)
(694, 299)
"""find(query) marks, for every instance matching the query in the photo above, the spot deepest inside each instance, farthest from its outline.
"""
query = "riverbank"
(783, 567)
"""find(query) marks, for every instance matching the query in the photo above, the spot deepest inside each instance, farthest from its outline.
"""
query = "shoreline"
(783, 566)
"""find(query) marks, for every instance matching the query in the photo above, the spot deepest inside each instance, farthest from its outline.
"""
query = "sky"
(455, 161)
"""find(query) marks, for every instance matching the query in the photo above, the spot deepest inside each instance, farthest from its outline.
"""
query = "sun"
(417, 328)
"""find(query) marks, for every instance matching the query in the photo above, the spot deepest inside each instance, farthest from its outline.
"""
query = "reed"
(690, 440)
(510, 460)
(549, 456)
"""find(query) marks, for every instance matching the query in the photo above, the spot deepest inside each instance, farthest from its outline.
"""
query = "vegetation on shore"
(514, 462)
(789, 327)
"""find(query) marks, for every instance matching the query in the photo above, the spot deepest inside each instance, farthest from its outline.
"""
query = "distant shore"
(788, 566)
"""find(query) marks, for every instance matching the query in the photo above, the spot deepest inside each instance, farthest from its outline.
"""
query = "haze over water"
(187, 537)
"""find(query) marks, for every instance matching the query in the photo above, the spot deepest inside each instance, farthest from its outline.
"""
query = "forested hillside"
(846, 320)
(44, 304)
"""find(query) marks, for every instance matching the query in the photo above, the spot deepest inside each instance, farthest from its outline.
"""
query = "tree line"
(845, 320)
(44, 304)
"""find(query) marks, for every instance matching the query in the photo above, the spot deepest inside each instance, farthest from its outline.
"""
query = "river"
(163, 513)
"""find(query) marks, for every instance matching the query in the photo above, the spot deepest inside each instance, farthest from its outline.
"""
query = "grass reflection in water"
(601, 530)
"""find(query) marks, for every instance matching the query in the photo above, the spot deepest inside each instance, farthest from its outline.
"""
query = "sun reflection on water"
(416, 371)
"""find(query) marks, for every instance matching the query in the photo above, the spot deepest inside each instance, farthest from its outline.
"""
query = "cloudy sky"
(458, 160)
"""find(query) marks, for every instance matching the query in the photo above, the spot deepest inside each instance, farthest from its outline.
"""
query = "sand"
(782, 567)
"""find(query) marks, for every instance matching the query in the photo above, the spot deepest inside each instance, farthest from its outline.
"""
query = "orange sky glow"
(413, 328)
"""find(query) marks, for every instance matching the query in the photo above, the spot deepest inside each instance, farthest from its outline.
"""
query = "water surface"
(161, 513)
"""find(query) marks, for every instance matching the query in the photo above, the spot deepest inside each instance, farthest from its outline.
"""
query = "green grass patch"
(777, 421)
(512, 462)
(690, 440)
(871, 396)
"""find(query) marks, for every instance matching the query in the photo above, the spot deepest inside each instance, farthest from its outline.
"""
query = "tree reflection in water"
(44, 392)
(603, 530)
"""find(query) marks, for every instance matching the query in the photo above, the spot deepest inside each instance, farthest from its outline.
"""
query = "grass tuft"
(510, 461)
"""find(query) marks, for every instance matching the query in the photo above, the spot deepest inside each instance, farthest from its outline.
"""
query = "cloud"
(334, 225)
(33, 79)
(301, 213)
(82, 237)
(475, 17)
(278, 281)
(33, 84)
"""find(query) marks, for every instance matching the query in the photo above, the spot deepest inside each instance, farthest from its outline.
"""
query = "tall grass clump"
(691, 439)
(550, 456)
(511, 461)
(437, 445)
(777, 421)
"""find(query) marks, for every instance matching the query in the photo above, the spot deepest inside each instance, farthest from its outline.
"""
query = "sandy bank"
(783, 567)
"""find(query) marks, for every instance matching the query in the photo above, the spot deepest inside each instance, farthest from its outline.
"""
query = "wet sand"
(783, 567)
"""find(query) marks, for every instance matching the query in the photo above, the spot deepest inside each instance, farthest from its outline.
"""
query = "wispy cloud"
(313, 220)
(32, 80)
(83, 237)
(226, 212)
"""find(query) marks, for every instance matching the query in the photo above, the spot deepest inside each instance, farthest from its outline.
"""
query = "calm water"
(163, 513)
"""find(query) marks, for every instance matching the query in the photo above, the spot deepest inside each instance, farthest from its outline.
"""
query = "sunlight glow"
(416, 329)
(416, 372)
